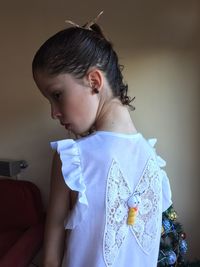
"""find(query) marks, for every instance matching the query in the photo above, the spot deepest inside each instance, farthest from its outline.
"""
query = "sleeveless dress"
(109, 171)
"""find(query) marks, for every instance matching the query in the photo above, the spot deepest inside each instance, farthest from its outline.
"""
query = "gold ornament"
(172, 215)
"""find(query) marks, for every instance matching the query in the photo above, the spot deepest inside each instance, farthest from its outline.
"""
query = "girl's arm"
(57, 211)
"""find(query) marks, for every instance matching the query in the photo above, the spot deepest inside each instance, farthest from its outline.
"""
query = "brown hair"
(75, 49)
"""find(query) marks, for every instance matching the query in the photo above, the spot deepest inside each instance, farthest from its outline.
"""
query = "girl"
(107, 188)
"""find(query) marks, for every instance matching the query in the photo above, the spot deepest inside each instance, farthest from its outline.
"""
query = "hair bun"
(96, 28)
(92, 25)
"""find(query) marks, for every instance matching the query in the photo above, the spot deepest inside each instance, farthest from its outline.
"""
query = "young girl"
(107, 188)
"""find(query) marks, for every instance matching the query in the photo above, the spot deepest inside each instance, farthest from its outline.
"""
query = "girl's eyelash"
(56, 95)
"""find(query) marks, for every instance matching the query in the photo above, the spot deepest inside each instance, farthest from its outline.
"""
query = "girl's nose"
(55, 113)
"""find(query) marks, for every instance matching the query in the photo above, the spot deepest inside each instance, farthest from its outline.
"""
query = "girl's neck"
(114, 117)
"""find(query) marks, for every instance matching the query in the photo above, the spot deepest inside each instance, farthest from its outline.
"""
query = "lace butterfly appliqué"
(146, 222)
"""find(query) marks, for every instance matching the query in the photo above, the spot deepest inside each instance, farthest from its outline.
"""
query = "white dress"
(108, 169)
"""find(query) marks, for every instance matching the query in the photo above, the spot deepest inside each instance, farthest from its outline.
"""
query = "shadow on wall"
(166, 86)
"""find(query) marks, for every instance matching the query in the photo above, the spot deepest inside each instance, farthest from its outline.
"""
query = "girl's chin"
(72, 131)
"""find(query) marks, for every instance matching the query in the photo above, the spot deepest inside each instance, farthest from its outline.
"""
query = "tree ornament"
(183, 235)
(166, 225)
(171, 257)
(183, 247)
(172, 215)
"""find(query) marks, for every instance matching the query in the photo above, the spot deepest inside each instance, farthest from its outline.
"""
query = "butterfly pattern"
(146, 226)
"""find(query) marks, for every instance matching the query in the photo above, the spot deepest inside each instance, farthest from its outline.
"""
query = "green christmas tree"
(173, 245)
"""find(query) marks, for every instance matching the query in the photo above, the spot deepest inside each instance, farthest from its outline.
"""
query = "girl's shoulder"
(103, 140)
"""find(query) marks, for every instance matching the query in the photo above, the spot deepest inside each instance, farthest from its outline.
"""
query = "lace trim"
(146, 225)
(116, 213)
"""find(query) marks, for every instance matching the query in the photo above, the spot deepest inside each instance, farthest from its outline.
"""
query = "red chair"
(21, 222)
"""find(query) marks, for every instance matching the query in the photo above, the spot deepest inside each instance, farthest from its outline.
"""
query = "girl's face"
(72, 100)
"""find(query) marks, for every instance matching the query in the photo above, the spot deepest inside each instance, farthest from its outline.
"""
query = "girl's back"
(108, 170)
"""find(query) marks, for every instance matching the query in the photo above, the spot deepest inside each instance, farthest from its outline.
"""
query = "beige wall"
(157, 41)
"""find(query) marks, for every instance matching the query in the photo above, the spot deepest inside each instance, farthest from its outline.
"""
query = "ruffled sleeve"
(166, 190)
(72, 174)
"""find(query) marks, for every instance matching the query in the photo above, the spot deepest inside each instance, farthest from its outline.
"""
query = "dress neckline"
(131, 135)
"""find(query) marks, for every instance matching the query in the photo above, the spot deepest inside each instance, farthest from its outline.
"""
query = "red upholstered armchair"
(21, 222)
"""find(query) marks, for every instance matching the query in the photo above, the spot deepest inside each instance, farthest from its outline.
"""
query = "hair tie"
(87, 25)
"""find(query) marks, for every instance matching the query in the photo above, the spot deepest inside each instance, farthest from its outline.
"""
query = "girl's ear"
(95, 79)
